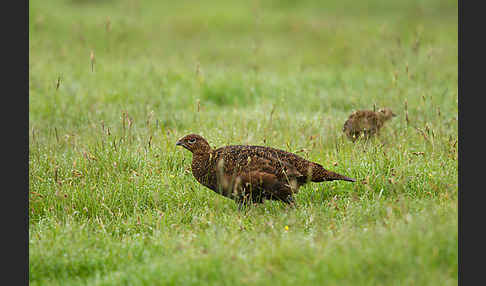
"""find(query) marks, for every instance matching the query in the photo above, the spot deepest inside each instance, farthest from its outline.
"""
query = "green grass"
(112, 200)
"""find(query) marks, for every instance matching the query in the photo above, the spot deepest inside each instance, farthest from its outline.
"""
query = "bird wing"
(233, 161)
(260, 185)
(270, 164)
(359, 121)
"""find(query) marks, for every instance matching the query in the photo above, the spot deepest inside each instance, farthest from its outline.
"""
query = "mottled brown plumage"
(252, 173)
(366, 123)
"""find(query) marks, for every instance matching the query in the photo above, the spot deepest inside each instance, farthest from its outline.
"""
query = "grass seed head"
(108, 24)
(92, 60)
(58, 82)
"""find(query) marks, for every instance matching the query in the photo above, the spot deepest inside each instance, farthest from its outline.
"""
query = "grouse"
(251, 174)
(366, 123)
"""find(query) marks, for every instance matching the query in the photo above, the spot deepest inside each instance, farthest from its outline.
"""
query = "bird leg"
(281, 192)
(291, 201)
(247, 191)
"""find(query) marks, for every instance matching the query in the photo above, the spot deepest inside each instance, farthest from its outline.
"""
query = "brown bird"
(251, 174)
(366, 123)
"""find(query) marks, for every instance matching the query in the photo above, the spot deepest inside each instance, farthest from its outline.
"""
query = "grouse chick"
(366, 123)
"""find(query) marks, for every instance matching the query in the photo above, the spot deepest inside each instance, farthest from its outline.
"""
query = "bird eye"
(192, 141)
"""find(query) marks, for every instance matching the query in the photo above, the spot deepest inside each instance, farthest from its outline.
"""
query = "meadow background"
(114, 84)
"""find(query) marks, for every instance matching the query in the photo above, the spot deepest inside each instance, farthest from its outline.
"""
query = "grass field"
(114, 84)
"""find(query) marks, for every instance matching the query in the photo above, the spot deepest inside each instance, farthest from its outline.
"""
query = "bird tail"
(332, 176)
(347, 125)
(317, 173)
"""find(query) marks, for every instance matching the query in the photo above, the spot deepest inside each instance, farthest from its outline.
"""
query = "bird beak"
(393, 114)
(179, 143)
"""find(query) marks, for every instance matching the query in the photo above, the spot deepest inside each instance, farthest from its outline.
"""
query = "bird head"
(387, 113)
(194, 143)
